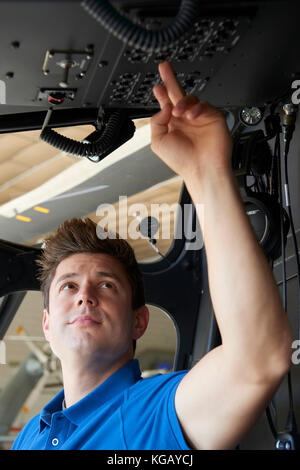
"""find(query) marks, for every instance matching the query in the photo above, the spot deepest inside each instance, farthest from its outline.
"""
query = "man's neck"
(79, 381)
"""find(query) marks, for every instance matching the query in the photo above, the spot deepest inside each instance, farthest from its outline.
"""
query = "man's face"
(90, 309)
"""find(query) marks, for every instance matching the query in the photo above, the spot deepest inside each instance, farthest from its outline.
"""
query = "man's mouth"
(85, 320)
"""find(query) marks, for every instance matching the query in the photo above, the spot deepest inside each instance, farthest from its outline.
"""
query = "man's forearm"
(244, 294)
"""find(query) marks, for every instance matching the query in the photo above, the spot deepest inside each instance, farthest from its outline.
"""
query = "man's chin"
(83, 343)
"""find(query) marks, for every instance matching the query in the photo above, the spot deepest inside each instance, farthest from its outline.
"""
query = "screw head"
(102, 63)
(15, 44)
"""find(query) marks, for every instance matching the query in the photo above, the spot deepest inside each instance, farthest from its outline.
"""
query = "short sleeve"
(149, 417)
(173, 418)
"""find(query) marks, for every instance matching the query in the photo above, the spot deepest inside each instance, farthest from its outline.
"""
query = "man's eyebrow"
(99, 273)
(109, 274)
(66, 276)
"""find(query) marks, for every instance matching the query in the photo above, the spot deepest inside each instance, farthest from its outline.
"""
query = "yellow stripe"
(23, 218)
(41, 209)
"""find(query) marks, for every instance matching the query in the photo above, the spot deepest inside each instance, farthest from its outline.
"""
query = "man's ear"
(141, 320)
(46, 325)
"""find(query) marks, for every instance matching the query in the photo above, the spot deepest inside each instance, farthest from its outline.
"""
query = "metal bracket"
(67, 60)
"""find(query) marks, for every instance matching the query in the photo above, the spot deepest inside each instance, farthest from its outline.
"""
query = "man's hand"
(189, 135)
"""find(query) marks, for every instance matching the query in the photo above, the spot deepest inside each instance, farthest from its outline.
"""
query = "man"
(94, 310)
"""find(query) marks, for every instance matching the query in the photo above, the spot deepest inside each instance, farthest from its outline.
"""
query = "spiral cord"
(91, 150)
(136, 36)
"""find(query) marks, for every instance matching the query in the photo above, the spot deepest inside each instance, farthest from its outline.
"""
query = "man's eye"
(107, 285)
(67, 286)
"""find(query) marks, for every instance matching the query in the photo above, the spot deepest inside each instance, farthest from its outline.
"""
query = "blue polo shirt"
(126, 412)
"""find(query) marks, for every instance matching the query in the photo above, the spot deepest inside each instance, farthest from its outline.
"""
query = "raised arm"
(224, 394)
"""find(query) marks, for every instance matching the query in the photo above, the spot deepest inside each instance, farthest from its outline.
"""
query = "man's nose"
(87, 296)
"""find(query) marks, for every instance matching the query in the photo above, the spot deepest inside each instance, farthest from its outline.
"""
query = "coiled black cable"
(117, 130)
(136, 36)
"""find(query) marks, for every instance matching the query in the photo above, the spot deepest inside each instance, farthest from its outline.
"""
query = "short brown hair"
(79, 235)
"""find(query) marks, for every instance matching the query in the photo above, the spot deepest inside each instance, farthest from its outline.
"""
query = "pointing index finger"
(175, 91)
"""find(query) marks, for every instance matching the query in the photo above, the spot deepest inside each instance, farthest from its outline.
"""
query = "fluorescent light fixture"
(79, 193)
(41, 209)
(23, 218)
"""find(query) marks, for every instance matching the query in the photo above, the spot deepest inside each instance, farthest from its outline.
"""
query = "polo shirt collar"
(118, 382)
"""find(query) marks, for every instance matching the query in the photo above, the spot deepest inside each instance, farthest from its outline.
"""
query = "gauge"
(251, 116)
